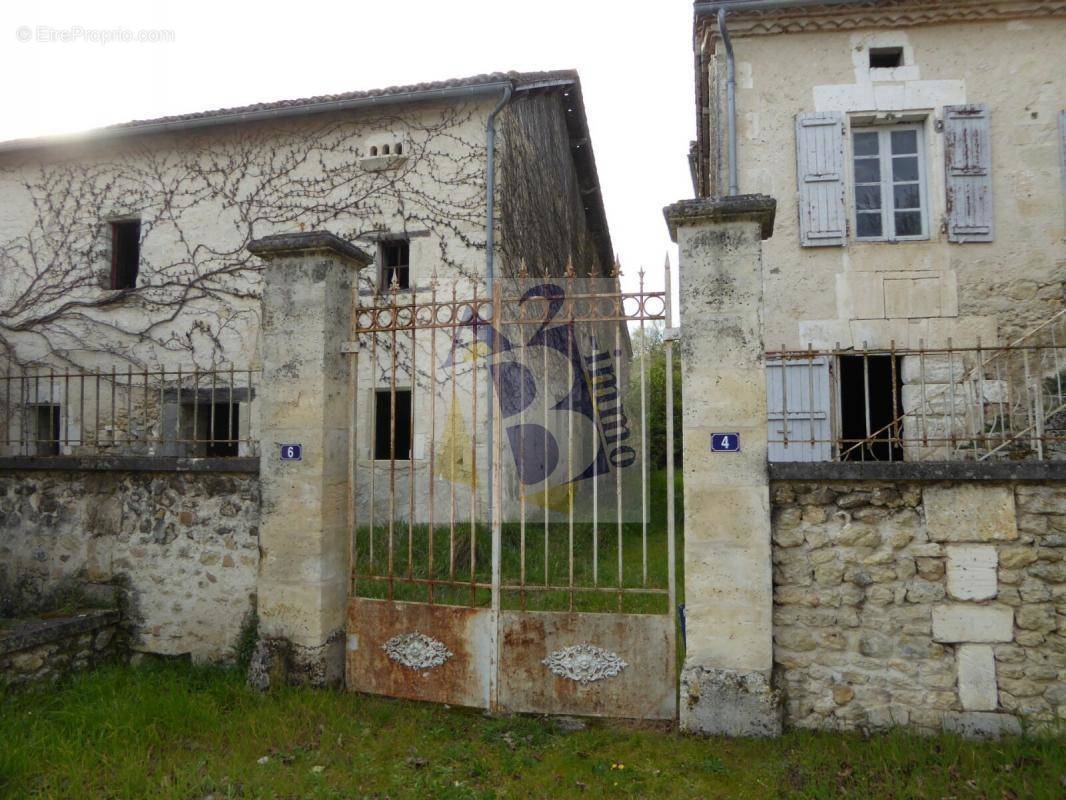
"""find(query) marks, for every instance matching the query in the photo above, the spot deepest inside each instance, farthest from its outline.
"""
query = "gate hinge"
(672, 334)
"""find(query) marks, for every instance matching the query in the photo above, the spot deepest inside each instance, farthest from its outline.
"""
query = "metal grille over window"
(943, 403)
(179, 413)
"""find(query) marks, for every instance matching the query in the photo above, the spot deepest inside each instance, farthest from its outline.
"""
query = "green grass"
(171, 731)
(410, 555)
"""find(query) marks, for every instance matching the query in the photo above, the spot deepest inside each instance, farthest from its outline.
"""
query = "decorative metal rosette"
(584, 663)
(416, 650)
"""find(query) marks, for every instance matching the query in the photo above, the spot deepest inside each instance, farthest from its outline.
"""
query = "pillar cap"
(754, 207)
(307, 243)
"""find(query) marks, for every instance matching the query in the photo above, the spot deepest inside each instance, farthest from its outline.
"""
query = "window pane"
(906, 195)
(867, 170)
(865, 144)
(869, 224)
(904, 142)
(905, 169)
(868, 198)
(908, 223)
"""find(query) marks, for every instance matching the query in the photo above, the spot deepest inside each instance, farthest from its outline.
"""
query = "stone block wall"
(932, 605)
(47, 650)
(179, 551)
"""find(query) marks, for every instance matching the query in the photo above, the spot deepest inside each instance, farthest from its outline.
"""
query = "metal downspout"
(490, 278)
(731, 102)
(490, 189)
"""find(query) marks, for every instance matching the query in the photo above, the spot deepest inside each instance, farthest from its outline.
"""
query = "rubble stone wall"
(178, 551)
(932, 605)
(48, 650)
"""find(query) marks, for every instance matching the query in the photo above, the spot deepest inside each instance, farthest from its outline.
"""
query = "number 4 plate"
(292, 452)
(725, 443)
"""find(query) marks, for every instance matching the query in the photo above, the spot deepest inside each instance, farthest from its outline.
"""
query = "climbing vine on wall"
(201, 199)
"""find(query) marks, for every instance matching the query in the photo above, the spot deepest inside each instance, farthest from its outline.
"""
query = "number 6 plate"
(292, 452)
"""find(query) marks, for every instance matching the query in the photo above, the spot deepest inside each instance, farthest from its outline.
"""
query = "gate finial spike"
(617, 266)
(570, 272)
(523, 269)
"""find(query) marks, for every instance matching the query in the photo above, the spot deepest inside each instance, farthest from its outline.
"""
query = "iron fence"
(173, 413)
(921, 404)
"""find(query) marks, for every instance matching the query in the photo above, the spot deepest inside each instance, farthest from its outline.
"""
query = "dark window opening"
(125, 253)
(47, 429)
(373, 150)
(886, 57)
(399, 149)
(217, 435)
(395, 264)
(875, 381)
(383, 428)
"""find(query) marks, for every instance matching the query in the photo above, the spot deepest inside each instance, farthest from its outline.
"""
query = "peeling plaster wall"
(938, 290)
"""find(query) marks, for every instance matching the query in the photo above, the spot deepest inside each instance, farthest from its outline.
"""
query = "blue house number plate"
(292, 452)
(725, 443)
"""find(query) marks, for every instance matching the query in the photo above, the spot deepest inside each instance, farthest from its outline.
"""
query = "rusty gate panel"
(603, 665)
(420, 652)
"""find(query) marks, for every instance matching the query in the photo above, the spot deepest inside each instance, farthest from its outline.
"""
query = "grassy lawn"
(171, 731)
(600, 544)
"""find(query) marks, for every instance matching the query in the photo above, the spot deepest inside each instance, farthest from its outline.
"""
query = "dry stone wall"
(50, 649)
(932, 605)
(179, 551)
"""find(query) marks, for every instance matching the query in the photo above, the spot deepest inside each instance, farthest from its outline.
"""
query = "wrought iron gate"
(511, 516)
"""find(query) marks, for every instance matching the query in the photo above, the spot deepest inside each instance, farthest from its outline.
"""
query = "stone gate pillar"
(725, 681)
(303, 400)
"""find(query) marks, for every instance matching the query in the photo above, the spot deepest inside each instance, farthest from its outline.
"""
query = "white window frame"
(888, 218)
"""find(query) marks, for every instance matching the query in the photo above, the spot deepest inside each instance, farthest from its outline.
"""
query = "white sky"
(634, 58)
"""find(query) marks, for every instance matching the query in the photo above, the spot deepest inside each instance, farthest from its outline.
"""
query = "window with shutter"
(968, 168)
(820, 172)
(798, 409)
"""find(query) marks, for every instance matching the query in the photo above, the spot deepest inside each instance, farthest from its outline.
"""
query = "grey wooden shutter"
(968, 155)
(820, 172)
(797, 409)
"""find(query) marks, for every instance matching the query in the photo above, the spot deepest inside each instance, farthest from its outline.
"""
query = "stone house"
(879, 214)
(127, 249)
(916, 153)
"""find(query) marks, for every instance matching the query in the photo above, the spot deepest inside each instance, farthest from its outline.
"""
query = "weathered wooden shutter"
(820, 171)
(968, 154)
(798, 406)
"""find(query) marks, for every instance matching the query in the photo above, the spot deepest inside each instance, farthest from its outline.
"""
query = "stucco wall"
(180, 550)
(201, 197)
(923, 604)
(837, 294)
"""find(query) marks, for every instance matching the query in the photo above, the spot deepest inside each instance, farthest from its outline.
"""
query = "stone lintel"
(725, 702)
(307, 243)
(738, 208)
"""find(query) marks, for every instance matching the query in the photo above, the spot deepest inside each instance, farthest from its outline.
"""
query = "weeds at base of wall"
(247, 641)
